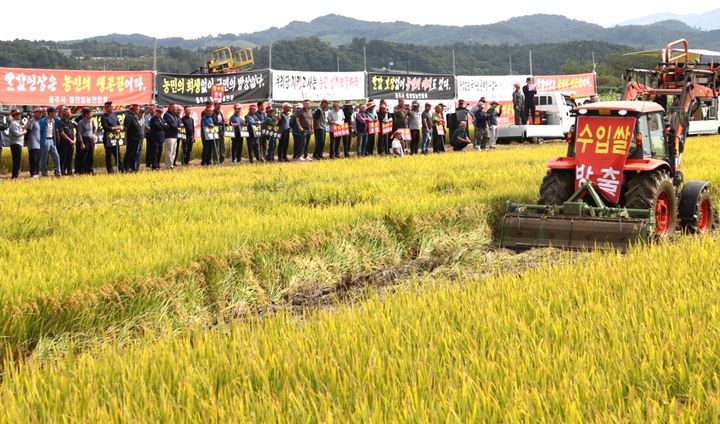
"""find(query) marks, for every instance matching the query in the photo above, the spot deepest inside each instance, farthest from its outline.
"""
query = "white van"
(554, 109)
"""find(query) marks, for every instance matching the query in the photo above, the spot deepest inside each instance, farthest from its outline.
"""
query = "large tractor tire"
(557, 187)
(654, 190)
(703, 219)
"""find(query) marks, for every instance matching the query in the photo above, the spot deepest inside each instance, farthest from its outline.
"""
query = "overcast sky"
(74, 20)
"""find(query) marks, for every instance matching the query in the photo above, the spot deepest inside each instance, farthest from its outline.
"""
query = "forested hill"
(339, 30)
(312, 54)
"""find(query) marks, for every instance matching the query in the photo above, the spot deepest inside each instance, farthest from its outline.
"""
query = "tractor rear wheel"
(654, 190)
(557, 187)
(703, 221)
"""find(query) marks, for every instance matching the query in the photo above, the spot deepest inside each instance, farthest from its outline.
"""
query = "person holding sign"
(372, 129)
(236, 121)
(362, 120)
(271, 121)
(415, 123)
(158, 126)
(284, 125)
(253, 134)
(438, 122)
(385, 122)
(336, 118)
(206, 124)
(320, 123)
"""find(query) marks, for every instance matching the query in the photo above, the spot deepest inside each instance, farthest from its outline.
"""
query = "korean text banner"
(411, 86)
(296, 85)
(581, 85)
(492, 87)
(29, 87)
(601, 150)
(191, 90)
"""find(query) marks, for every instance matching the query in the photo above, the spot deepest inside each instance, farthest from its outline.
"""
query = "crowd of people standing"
(168, 134)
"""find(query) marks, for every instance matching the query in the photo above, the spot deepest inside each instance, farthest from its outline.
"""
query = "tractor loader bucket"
(575, 224)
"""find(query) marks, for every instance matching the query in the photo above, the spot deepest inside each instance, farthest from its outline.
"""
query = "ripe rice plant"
(101, 254)
(611, 338)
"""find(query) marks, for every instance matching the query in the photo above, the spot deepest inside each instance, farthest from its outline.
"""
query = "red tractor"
(621, 180)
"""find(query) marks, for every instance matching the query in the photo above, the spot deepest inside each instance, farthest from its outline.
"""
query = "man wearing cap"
(133, 134)
(415, 124)
(481, 123)
(47, 143)
(370, 110)
(438, 122)
(111, 127)
(400, 115)
(15, 139)
(66, 142)
(335, 117)
(87, 136)
(362, 121)
(149, 151)
(189, 124)
(253, 147)
(529, 92)
(158, 126)
(348, 111)
(320, 123)
(492, 119)
(219, 121)
(237, 121)
(304, 122)
(427, 127)
(284, 126)
(33, 143)
(518, 101)
(262, 139)
(459, 139)
(206, 122)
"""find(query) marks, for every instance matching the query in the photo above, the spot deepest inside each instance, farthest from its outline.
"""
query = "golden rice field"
(609, 339)
(603, 337)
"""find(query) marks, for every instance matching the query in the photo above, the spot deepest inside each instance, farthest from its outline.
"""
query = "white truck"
(554, 109)
(704, 119)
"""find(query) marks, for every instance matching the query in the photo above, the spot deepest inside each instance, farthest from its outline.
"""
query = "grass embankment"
(102, 255)
(611, 338)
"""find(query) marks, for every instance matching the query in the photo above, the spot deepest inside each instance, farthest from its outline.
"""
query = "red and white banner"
(581, 85)
(601, 150)
(341, 130)
(28, 87)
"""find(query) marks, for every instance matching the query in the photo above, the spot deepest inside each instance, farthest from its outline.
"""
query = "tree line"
(313, 54)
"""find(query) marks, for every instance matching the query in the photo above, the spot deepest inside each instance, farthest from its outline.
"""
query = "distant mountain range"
(707, 21)
(339, 30)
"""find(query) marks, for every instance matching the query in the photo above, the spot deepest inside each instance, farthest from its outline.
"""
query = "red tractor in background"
(621, 180)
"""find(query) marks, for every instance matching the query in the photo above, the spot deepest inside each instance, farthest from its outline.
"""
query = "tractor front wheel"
(557, 187)
(703, 219)
(654, 190)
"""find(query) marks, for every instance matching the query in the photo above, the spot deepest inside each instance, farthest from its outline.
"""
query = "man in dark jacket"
(348, 110)
(66, 142)
(219, 120)
(111, 138)
(189, 124)
(171, 135)
(529, 92)
(158, 126)
(133, 135)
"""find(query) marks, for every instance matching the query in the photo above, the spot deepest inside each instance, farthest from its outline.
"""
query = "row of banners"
(19, 86)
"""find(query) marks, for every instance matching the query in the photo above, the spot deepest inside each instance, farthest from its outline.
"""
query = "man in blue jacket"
(111, 129)
(47, 143)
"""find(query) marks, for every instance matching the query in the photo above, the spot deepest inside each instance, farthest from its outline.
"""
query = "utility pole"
(531, 71)
(510, 56)
(270, 57)
(453, 61)
(155, 56)
(593, 59)
(365, 58)
(338, 62)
